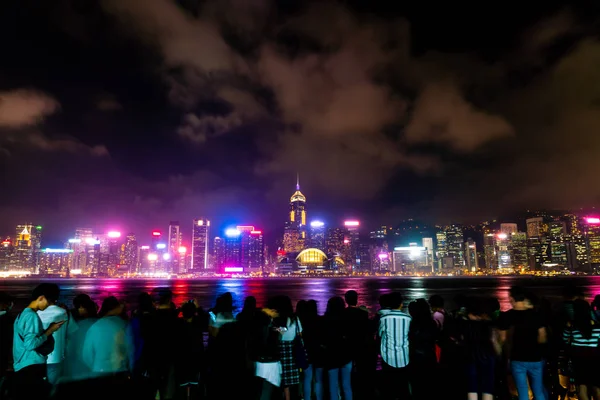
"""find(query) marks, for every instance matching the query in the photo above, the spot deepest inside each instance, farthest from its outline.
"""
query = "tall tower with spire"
(294, 235)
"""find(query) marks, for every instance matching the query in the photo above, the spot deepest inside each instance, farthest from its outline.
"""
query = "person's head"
(165, 297)
(419, 311)
(436, 302)
(224, 303)
(85, 306)
(111, 307)
(517, 296)
(312, 308)
(188, 310)
(351, 298)
(481, 309)
(44, 295)
(145, 303)
(582, 320)
(335, 307)
(395, 301)
(300, 308)
(250, 304)
(596, 303)
(384, 301)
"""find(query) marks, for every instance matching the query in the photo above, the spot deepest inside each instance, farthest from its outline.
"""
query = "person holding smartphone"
(55, 361)
(32, 344)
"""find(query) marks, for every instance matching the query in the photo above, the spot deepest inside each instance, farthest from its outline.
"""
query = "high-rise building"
(411, 259)
(508, 228)
(294, 236)
(144, 257)
(489, 250)
(428, 244)
(441, 245)
(218, 253)
(130, 253)
(503, 245)
(317, 235)
(200, 237)
(471, 255)
(232, 259)
(256, 260)
(557, 232)
(352, 242)
(174, 236)
(455, 243)
(334, 242)
(592, 233)
(577, 243)
(538, 245)
(27, 247)
(6, 253)
(518, 250)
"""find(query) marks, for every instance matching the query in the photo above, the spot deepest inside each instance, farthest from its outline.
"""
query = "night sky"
(126, 114)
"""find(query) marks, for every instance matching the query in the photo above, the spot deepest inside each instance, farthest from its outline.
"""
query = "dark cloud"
(185, 108)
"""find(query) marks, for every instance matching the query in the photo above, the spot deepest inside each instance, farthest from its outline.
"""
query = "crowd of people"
(415, 351)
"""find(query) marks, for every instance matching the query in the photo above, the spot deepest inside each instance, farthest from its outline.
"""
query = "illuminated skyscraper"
(27, 247)
(508, 228)
(471, 255)
(232, 261)
(592, 233)
(174, 237)
(200, 232)
(503, 245)
(130, 255)
(455, 244)
(557, 231)
(6, 253)
(317, 235)
(294, 235)
(298, 207)
(256, 261)
(489, 249)
(174, 243)
(577, 243)
(334, 241)
(538, 244)
(518, 250)
(352, 242)
(218, 253)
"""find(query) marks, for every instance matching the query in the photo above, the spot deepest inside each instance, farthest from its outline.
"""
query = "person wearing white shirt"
(393, 331)
(55, 359)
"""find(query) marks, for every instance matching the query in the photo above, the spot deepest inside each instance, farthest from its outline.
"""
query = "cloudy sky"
(126, 114)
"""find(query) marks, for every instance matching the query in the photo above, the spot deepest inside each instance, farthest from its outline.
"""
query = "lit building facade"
(317, 235)
(27, 247)
(538, 244)
(351, 254)
(130, 253)
(471, 260)
(200, 237)
(218, 253)
(518, 250)
(294, 236)
(489, 250)
(411, 259)
(334, 241)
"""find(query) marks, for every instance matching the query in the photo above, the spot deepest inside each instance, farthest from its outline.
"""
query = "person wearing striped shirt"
(393, 331)
(583, 339)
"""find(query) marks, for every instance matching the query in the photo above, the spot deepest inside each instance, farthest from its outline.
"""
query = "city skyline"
(387, 111)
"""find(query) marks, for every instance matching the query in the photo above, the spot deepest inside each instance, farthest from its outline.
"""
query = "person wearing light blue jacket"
(32, 344)
(108, 346)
